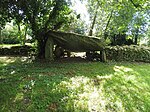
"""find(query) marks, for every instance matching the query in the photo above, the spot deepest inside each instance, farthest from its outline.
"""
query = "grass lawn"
(73, 86)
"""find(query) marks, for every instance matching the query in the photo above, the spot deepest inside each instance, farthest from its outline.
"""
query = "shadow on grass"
(73, 86)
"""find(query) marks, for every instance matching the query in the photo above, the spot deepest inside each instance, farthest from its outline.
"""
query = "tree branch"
(108, 23)
(52, 14)
(93, 23)
(135, 5)
(58, 25)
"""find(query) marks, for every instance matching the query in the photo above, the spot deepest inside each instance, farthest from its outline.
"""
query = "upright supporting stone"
(103, 56)
(49, 49)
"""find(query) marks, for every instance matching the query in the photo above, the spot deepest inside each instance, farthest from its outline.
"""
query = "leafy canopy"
(40, 14)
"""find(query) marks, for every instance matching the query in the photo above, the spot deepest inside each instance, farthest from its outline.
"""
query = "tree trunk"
(19, 32)
(45, 48)
(0, 36)
(25, 34)
(136, 37)
(135, 42)
(105, 31)
(93, 22)
(41, 47)
(91, 28)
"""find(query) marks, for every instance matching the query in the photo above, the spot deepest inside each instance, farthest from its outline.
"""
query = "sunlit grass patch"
(82, 94)
(85, 95)
(13, 45)
(129, 86)
(8, 45)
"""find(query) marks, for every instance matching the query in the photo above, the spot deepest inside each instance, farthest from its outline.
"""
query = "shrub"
(10, 36)
(128, 53)
(10, 40)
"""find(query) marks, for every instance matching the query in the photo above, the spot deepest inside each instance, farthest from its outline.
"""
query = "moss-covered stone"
(77, 43)
(49, 49)
(17, 50)
(128, 53)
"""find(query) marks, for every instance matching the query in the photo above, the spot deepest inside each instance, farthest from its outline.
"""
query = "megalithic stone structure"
(73, 42)
(49, 49)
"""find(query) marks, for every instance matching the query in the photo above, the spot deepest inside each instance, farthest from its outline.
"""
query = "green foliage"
(113, 16)
(10, 35)
(128, 53)
(40, 15)
(4, 14)
(116, 17)
(10, 39)
(139, 25)
(75, 24)
(73, 86)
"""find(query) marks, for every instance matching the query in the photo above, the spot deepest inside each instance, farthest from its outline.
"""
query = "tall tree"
(41, 15)
(139, 25)
(4, 16)
(114, 16)
(94, 21)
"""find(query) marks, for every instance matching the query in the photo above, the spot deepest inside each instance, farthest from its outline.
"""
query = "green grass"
(73, 86)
